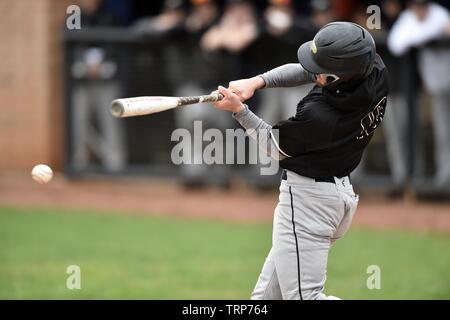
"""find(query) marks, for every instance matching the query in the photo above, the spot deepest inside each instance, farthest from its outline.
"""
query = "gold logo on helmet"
(313, 47)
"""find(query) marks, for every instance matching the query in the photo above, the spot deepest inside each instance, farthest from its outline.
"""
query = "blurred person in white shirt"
(421, 23)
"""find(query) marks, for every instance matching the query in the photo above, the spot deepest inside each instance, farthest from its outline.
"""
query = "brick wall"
(31, 83)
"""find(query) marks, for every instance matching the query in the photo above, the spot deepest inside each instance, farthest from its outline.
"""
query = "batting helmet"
(344, 49)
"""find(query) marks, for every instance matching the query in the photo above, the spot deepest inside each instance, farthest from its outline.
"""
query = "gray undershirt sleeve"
(260, 131)
(288, 75)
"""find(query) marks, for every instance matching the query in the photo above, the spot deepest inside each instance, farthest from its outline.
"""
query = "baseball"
(42, 173)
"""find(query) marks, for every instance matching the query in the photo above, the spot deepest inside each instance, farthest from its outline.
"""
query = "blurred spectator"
(98, 13)
(202, 16)
(395, 120)
(223, 40)
(194, 70)
(344, 10)
(421, 23)
(287, 31)
(396, 117)
(279, 17)
(282, 21)
(236, 30)
(95, 131)
(284, 29)
(171, 18)
(322, 13)
(390, 10)
(359, 16)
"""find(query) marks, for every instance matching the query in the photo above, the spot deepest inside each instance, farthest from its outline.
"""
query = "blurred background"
(141, 227)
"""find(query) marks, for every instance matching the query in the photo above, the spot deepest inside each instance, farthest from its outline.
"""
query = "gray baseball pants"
(309, 217)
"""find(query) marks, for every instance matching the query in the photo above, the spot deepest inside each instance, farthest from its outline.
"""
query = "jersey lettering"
(373, 119)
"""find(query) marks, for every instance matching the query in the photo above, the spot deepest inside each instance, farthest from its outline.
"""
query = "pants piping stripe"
(296, 246)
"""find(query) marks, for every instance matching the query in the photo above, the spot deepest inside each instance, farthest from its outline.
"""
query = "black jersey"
(330, 130)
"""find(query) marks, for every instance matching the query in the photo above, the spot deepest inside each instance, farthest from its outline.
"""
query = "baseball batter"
(318, 148)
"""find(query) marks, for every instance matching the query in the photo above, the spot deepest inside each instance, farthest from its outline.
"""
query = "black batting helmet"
(344, 49)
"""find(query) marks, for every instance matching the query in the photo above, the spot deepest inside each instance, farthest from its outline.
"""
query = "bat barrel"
(139, 106)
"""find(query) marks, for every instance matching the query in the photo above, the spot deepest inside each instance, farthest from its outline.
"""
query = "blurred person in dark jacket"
(284, 28)
(322, 13)
(94, 70)
(170, 19)
(394, 124)
(193, 70)
(390, 10)
(236, 30)
(422, 22)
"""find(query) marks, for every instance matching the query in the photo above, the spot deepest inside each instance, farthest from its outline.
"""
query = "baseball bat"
(139, 106)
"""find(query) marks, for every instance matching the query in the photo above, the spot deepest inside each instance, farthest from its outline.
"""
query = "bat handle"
(213, 97)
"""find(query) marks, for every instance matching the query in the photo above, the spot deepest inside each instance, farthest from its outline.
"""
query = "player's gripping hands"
(245, 88)
(230, 101)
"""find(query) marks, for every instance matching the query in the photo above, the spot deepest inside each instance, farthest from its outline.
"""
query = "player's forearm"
(288, 75)
(258, 130)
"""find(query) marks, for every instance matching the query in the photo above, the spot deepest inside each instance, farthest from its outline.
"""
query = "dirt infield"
(167, 198)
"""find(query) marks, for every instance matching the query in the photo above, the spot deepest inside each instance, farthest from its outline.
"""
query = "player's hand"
(245, 88)
(230, 101)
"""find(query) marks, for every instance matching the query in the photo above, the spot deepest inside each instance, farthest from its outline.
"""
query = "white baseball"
(42, 173)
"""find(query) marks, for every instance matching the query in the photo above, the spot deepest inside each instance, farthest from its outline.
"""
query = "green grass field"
(129, 256)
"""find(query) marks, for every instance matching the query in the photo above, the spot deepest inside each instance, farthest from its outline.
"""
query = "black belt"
(327, 179)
